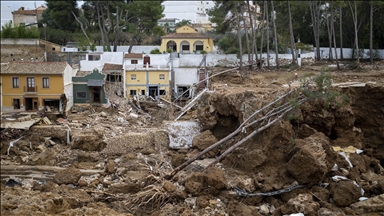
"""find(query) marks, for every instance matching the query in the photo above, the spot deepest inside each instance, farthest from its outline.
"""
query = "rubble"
(116, 159)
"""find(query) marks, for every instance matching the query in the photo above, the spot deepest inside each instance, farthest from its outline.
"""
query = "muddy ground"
(117, 157)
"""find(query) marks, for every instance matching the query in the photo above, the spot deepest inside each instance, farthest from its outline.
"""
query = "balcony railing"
(140, 66)
(30, 90)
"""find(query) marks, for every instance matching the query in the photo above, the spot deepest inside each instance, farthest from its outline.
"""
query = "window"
(133, 61)
(199, 47)
(93, 57)
(45, 82)
(185, 47)
(143, 92)
(53, 48)
(81, 95)
(15, 82)
(133, 76)
(16, 103)
(132, 92)
(161, 76)
(113, 78)
(162, 92)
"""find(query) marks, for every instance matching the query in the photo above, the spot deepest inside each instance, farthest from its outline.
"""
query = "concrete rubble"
(115, 158)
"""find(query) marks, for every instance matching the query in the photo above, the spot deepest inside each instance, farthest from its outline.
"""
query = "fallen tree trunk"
(37, 172)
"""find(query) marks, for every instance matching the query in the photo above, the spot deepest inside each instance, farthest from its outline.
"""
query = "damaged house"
(88, 87)
(144, 78)
(114, 78)
(32, 86)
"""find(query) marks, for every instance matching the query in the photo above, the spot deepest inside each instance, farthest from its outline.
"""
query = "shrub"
(155, 51)
(203, 52)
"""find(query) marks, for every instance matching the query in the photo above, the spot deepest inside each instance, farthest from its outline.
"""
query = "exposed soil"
(117, 158)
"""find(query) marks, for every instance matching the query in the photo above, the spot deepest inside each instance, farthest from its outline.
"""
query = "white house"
(196, 11)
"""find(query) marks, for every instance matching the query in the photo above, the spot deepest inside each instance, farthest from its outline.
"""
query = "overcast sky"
(28, 5)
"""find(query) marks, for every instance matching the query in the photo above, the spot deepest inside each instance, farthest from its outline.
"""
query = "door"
(30, 84)
(147, 59)
(153, 91)
(96, 94)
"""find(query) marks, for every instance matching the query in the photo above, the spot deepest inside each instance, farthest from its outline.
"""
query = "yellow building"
(31, 86)
(144, 78)
(186, 40)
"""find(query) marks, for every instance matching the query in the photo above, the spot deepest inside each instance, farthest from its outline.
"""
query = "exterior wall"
(82, 87)
(68, 91)
(80, 84)
(23, 41)
(135, 49)
(186, 76)
(189, 10)
(139, 64)
(107, 57)
(9, 93)
(24, 18)
(50, 47)
(77, 87)
(347, 53)
(145, 79)
(208, 44)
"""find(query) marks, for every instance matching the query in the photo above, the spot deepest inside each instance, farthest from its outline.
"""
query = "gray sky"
(28, 5)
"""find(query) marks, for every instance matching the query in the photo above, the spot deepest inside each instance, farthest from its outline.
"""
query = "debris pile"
(130, 156)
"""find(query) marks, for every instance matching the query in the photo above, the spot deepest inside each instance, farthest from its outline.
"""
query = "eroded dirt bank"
(117, 167)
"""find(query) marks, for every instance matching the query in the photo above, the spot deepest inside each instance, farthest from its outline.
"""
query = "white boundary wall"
(347, 53)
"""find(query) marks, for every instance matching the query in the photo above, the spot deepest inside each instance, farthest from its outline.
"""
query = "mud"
(117, 157)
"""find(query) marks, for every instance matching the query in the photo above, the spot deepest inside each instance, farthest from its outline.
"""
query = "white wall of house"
(68, 86)
(107, 57)
(135, 49)
(186, 76)
(188, 10)
(68, 91)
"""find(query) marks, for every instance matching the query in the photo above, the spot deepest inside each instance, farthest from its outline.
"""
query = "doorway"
(31, 104)
(153, 91)
(96, 93)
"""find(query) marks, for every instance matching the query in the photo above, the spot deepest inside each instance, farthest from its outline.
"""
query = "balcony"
(30, 90)
(150, 67)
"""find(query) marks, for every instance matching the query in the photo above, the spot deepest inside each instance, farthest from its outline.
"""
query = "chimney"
(21, 8)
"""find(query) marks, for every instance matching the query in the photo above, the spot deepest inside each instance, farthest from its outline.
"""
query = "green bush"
(203, 52)
(169, 51)
(155, 51)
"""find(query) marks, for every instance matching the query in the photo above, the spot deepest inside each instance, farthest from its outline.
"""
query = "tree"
(19, 31)
(239, 34)
(253, 32)
(182, 23)
(314, 7)
(374, 6)
(291, 34)
(275, 35)
(354, 17)
(144, 18)
(262, 37)
(61, 14)
(333, 34)
(267, 15)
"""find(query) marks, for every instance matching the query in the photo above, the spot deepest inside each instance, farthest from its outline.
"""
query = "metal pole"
(45, 42)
